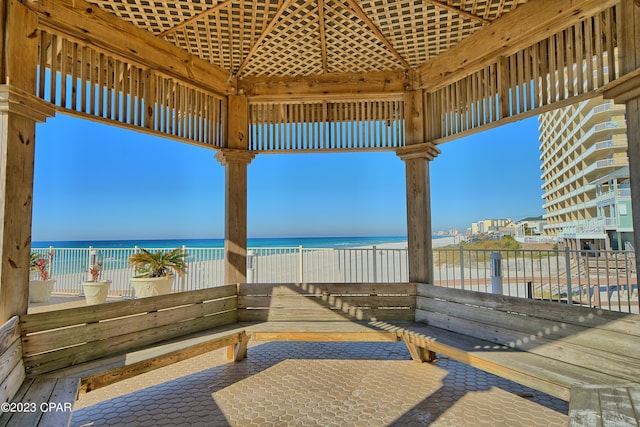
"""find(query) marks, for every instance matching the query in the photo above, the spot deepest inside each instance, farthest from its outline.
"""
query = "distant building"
(486, 226)
(585, 174)
(533, 226)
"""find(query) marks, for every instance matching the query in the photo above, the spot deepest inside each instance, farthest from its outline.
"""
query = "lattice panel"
(292, 47)
(225, 36)
(487, 9)
(85, 82)
(156, 16)
(327, 126)
(577, 61)
(351, 46)
(419, 30)
(224, 32)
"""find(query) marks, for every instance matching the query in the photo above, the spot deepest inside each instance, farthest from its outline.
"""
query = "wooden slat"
(320, 315)
(543, 17)
(43, 391)
(605, 405)
(320, 301)
(47, 362)
(95, 367)
(37, 322)
(320, 331)
(9, 332)
(136, 364)
(574, 351)
(12, 382)
(108, 329)
(65, 392)
(328, 288)
(551, 376)
(87, 23)
(541, 331)
(584, 409)
(593, 318)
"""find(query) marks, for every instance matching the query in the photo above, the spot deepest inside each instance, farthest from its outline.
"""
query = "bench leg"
(238, 351)
(419, 354)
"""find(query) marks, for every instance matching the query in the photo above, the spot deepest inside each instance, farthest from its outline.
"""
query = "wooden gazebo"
(246, 77)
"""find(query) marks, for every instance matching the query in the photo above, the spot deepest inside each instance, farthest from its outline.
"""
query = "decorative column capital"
(231, 155)
(427, 151)
(14, 100)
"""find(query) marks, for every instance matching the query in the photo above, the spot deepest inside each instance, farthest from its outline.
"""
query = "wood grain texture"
(88, 23)
(38, 322)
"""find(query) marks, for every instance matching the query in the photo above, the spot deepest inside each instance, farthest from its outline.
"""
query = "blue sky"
(95, 182)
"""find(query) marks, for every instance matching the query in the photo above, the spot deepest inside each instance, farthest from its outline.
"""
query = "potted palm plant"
(96, 290)
(157, 271)
(40, 282)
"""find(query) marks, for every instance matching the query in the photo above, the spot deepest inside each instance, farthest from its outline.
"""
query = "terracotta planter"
(96, 292)
(40, 290)
(151, 286)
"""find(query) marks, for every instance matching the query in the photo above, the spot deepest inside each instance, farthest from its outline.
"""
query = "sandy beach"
(436, 243)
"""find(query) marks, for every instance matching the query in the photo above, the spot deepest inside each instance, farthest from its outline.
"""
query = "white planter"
(151, 286)
(96, 292)
(40, 290)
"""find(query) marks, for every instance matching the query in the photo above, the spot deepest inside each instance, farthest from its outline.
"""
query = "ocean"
(257, 242)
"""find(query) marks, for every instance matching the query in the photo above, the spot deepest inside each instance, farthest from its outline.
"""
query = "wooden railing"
(83, 81)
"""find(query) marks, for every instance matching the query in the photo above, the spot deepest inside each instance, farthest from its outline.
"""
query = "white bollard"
(250, 268)
(496, 273)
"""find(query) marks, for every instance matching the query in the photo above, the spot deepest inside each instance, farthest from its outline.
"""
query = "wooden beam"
(505, 36)
(89, 24)
(283, 7)
(458, 11)
(629, 66)
(378, 82)
(378, 33)
(194, 18)
(19, 111)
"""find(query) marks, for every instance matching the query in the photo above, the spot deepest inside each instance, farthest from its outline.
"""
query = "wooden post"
(19, 112)
(235, 158)
(417, 154)
(627, 90)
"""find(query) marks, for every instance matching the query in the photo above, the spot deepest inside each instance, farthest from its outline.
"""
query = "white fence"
(605, 279)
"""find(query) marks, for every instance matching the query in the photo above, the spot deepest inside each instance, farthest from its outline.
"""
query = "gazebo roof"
(311, 37)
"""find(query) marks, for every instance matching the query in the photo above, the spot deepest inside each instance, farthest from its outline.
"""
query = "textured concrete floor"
(318, 384)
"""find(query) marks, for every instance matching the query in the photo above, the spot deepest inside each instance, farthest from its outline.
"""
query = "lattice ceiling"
(309, 37)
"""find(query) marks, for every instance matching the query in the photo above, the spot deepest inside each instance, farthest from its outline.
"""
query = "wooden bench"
(550, 347)
(28, 401)
(106, 343)
(605, 406)
(325, 312)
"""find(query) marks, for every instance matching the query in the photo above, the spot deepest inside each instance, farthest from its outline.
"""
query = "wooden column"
(19, 112)
(235, 158)
(417, 154)
(627, 90)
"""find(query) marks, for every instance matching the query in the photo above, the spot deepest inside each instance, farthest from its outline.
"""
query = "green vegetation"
(479, 250)
(506, 243)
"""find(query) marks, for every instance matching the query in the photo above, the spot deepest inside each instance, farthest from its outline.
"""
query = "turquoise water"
(262, 242)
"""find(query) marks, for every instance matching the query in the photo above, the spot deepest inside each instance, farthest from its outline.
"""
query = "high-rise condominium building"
(586, 175)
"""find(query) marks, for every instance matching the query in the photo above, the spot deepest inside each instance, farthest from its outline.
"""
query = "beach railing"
(593, 278)
(604, 279)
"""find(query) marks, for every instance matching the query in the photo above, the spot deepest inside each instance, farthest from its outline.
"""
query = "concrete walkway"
(318, 384)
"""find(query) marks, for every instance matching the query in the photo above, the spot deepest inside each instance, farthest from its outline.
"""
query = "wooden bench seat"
(552, 376)
(107, 343)
(547, 346)
(605, 406)
(42, 402)
(319, 331)
(30, 401)
(109, 370)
